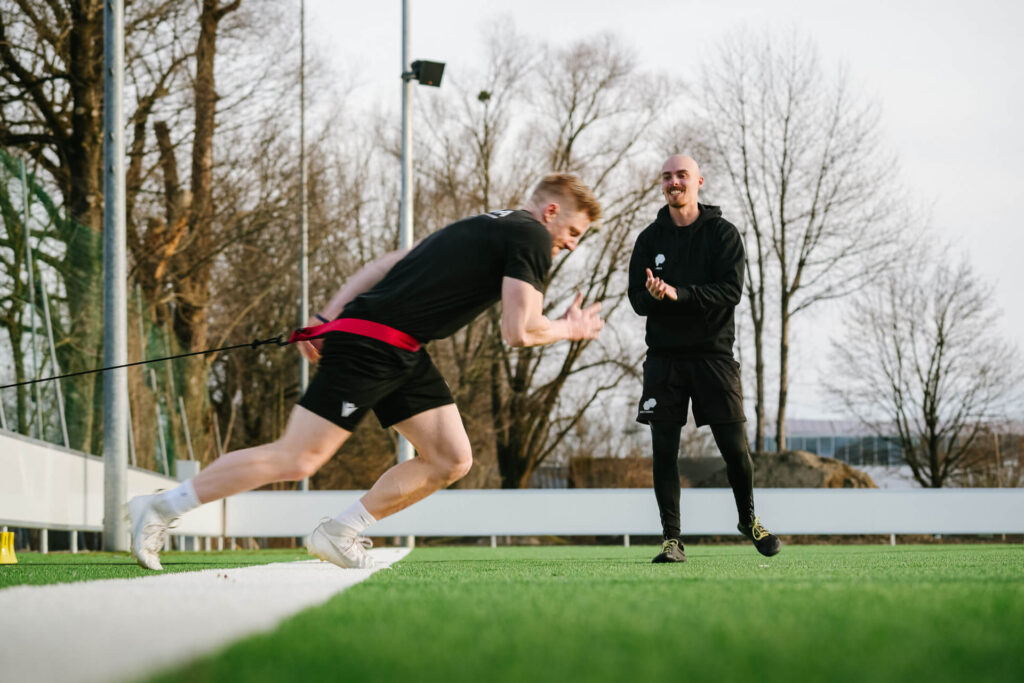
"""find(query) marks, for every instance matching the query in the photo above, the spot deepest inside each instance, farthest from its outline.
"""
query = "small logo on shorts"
(347, 408)
(648, 405)
(658, 261)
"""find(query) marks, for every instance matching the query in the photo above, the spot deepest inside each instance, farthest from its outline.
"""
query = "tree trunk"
(19, 375)
(759, 408)
(82, 184)
(194, 270)
(780, 424)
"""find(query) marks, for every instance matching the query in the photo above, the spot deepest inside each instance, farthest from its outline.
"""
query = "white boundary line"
(118, 629)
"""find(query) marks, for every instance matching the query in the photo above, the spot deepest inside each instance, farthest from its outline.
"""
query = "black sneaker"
(767, 543)
(671, 551)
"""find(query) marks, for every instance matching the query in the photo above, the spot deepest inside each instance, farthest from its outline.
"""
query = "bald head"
(681, 161)
(680, 182)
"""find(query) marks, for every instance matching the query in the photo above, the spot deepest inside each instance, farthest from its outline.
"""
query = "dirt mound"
(790, 469)
(797, 469)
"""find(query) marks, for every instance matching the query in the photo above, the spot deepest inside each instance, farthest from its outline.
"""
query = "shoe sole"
(319, 556)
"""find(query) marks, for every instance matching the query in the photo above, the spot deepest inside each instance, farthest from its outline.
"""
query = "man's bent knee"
(452, 466)
(299, 466)
(459, 468)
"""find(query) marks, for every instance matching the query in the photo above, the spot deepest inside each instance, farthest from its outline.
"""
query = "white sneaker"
(344, 550)
(149, 531)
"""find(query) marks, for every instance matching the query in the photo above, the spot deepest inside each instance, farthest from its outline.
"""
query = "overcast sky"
(949, 77)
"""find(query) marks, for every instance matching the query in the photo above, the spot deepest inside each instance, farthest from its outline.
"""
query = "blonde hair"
(567, 186)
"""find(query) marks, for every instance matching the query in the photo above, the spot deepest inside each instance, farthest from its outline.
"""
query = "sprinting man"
(686, 275)
(390, 308)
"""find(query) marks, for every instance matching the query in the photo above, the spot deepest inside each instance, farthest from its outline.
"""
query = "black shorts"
(713, 384)
(357, 374)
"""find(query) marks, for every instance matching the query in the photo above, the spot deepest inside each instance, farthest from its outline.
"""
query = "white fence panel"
(45, 486)
(892, 511)
(48, 487)
(569, 512)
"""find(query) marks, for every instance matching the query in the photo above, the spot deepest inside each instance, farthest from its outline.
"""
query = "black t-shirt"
(456, 273)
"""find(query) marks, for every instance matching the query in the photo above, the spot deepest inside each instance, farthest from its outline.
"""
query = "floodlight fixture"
(427, 73)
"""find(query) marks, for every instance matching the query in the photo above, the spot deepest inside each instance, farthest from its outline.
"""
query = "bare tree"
(51, 87)
(590, 109)
(211, 115)
(996, 460)
(256, 282)
(51, 57)
(14, 286)
(191, 271)
(800, 156)
(921, 353)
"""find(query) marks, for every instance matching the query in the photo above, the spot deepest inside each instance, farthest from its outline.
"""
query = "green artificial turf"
(38, 569)
(820, 613)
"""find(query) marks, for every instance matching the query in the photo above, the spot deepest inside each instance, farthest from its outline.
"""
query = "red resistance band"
(365, 328)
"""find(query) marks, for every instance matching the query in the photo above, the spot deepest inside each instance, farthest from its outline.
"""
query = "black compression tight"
(731, 443)
(665, 439)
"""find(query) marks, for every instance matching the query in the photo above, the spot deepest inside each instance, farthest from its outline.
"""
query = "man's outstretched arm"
(523, 322)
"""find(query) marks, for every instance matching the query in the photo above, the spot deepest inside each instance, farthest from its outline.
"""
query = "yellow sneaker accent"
(758, 531)
(671, 551)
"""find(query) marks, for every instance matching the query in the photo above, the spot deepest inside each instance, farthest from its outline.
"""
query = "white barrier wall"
(580, 512)
(44, 486)
(48, 487)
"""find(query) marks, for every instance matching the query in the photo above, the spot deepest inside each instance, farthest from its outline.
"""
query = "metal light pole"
(303, 210)
(405, 450)
(427, 73)
(115, 273)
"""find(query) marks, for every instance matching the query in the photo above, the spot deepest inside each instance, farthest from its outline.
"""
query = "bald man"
(686, 276)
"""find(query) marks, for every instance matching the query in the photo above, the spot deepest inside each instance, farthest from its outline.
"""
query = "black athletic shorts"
(713, 384)
(357, 374)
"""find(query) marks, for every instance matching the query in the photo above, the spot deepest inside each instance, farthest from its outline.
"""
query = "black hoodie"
(705, 263)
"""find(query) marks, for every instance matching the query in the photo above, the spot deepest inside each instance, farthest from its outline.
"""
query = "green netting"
(57, 284)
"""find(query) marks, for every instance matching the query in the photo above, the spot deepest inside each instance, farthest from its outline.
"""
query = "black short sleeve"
(529, 254)
(456, 273)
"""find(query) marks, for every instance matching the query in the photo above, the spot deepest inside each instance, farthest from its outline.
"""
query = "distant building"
(846, 440)
(851, 442)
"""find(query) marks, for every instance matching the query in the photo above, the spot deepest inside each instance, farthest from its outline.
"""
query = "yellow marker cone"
(7, 555)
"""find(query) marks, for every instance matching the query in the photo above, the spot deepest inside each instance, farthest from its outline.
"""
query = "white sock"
(176, 502)
(355, 519)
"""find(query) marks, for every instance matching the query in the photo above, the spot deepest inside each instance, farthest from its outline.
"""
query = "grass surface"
(823, 613)
(39, 569)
